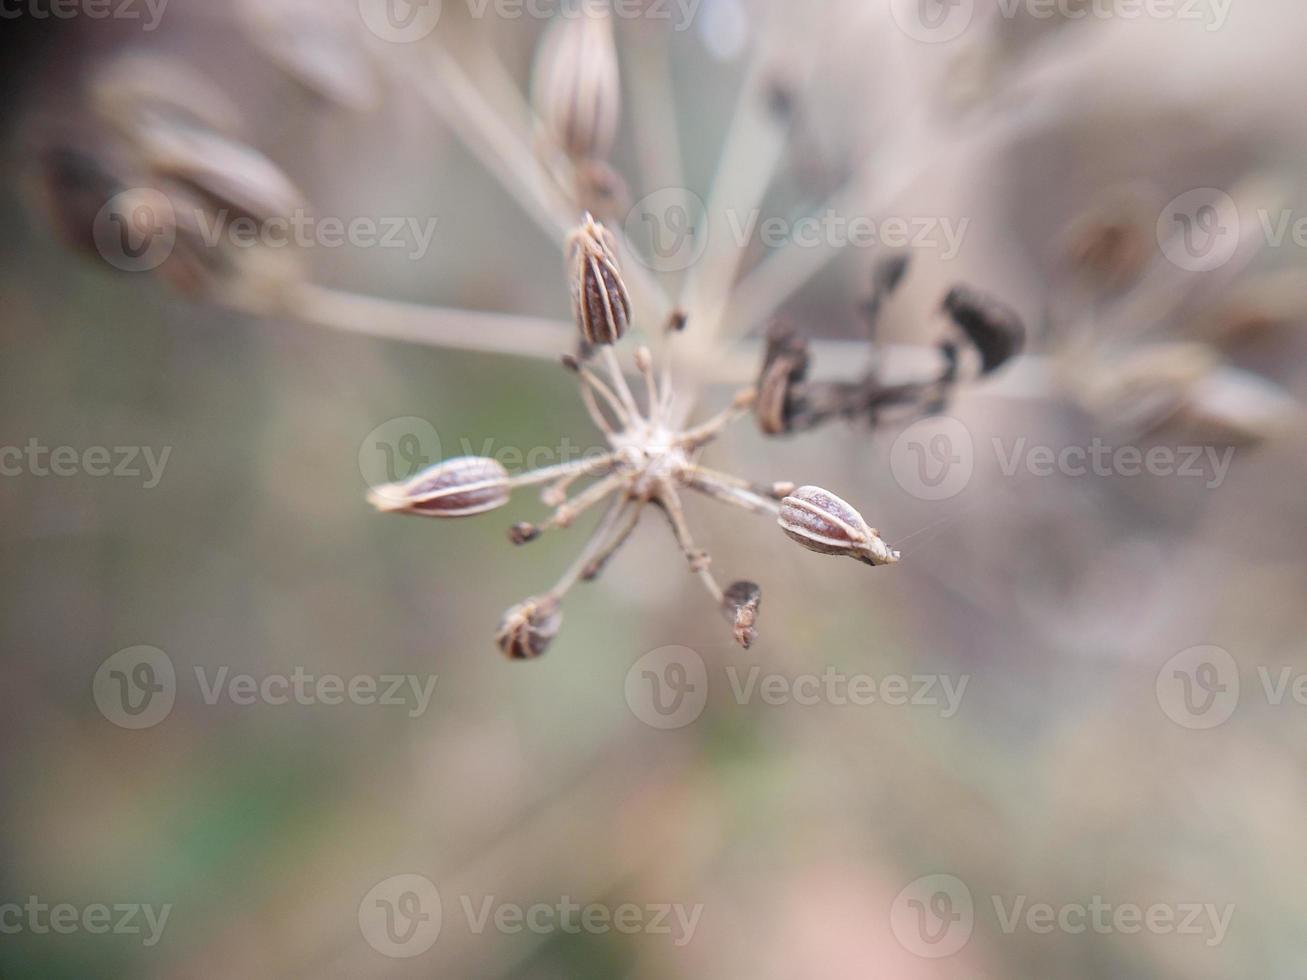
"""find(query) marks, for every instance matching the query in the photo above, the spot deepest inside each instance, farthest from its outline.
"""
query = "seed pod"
(599, 299)
(994, 328)
(822, 522)
(577, 86)
(457, 487)
(529, 627)
(740, 604)
(785, 366)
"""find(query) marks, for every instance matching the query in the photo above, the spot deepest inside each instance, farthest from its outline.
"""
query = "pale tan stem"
(574, 571)
(737, 496)
(699, 561)
(619, 380)
(617, 537)
(597, 466)
(701, 435)
(570, 510)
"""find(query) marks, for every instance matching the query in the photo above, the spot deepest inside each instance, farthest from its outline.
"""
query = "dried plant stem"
(545, 339)
(450, 94)
(752, 150)
(582, 467)
(658, 136)
(511, 112)
(728, 491)
(616, 538)
(619, 381)
(593, 548)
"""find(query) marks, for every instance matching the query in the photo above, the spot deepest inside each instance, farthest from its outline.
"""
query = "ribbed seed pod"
(458, 487)
(600, 301)
(994, 328)
(822, 522)
(577, 85)
(740, 604)
(529, 627)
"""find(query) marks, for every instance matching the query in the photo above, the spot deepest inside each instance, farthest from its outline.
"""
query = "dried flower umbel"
(651, 460)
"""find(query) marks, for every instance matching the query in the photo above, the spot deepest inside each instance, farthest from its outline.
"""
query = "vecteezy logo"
(400, 21)
(136, 687)
(933, 916)
(933, 21)
(136, 230)
(401, 916)
(1199, 230)
(668, 687)
(933, 459)
(1199, 687)
(669, 228)
(397, 450)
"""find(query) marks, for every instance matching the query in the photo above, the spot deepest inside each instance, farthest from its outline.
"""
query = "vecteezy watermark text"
(40, 460)
(935, 458)
(935, 916)
(151, 11)
(403, 916)
(1201, 686)
(64, 918)
(303, 230)
(668, 688)
(137, 687)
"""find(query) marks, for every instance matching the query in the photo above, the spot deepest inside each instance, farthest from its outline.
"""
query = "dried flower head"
(458, 487)
(600, 301)
(822, 522)
(652, 458)
(577, 87)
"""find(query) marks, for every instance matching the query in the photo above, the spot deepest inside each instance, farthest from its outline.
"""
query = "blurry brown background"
(1063, 775)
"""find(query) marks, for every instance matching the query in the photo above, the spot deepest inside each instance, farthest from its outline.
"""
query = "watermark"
(1210, 14)
(400, 448)
(668, 229)
(1198, 688)
(935, 459)
(671, 230)
(136, 231)
(933, 21)
(935, 916)
(668, 688)
(118, 462)
(97, 919)
(400, 21)
(831, 229)
(1200, 230)
(678, 14)
(941, 21)
(148, 11)
(407, 21)
(302, 230)
(403, 916)
(137, 688)
(1201, 687)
